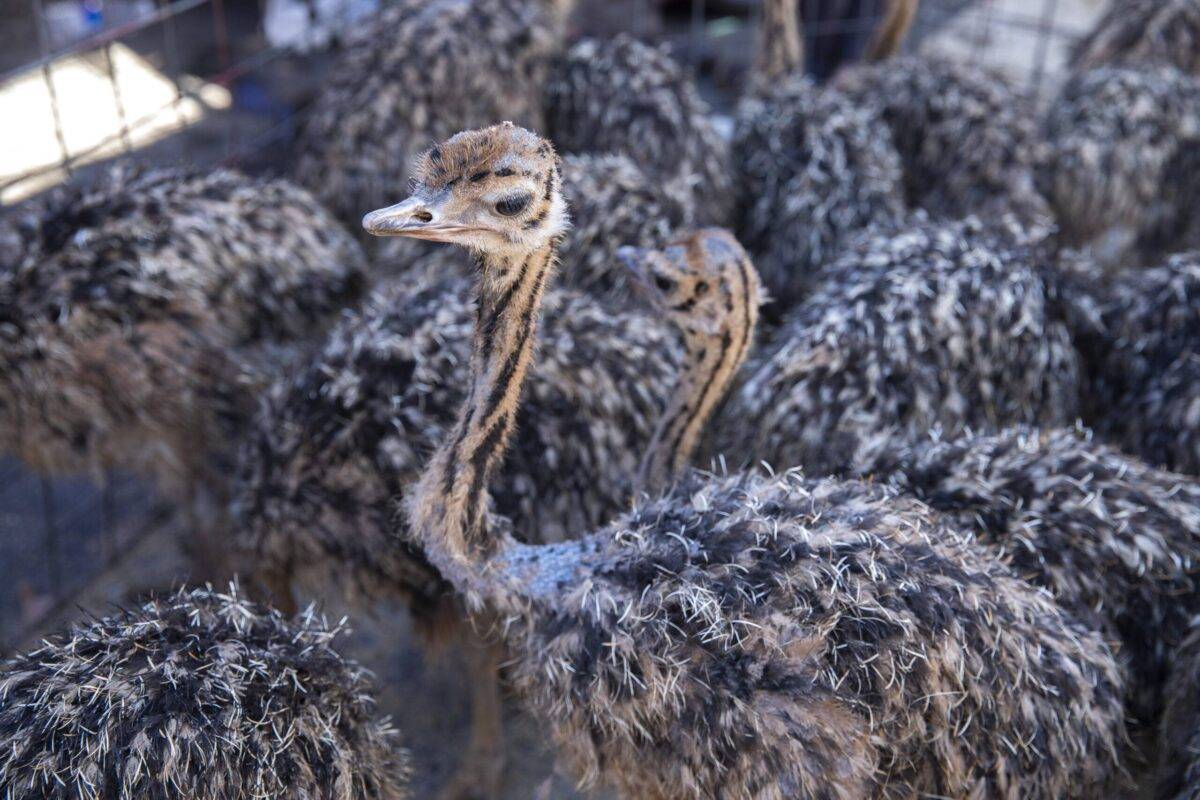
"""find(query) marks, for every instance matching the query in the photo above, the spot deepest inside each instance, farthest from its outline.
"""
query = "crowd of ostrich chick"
(853, 455)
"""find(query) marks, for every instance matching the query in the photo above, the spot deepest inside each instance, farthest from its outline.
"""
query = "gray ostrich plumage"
(414, 74)
(137, 312)
(966, 137)
(614, 203)
(1143, 32)
(1173, 224)
(624, 97)
(1139, 349)
(1163, 419)
(198, 695)
(938, 326)
(343, 437)
(790, 638)
(1178, 751)
(1119, 151)
(1115, 541)
(815, 169)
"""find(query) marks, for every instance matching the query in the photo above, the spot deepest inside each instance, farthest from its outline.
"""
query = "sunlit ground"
(92, 90)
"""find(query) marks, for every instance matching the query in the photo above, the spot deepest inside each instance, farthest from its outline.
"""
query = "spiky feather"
(939, 326)
(624, 97)
(136, 315)
(198, 695)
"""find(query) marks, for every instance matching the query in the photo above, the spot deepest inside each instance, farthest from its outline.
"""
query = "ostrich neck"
(781, 47)
(448, 508)
(707, 373)
(890, 35)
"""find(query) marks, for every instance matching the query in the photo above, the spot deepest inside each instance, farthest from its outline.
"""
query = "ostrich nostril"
(422, 216)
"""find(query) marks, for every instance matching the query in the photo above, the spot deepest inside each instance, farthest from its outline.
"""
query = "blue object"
(93, 14)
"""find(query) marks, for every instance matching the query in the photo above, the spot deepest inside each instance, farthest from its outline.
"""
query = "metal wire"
(111, 66)
(39, 19)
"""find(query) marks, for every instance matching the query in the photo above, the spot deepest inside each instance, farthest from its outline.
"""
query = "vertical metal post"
(171, 48)
(989, 17)
(50, 528)
(111, 66)
(221, 34)
(43, 35)
(1041, 53)
(696, 36)
(108, 523)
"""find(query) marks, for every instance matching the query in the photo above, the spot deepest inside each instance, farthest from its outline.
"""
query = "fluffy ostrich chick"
(966, 138)
(195, 696)
(624, 97)
(1143, 32)
(136, 314)
(1123, 156)
(1140, 350)
(345, 435)
(1115, 541)
(939, 326)
(814, 168)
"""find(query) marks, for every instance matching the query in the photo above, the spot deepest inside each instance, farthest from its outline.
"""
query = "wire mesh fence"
(227, 87)
(218, 82)
(57, 537)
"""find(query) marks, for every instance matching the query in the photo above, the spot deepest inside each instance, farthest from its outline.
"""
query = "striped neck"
(448, 507)
(710, 365)
(781, 46)
(892, 30)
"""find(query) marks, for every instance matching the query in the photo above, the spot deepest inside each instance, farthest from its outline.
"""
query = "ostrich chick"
(1121, 152)
(195, 696)
(741, 637)
(1178, 776)
(137, 313)
(1115, 541)
(939, 326)
(345, 435)
(966, 138)
(1143, 32)
(1141, 361)
(624, 97)
(813, 167)
(413, 74)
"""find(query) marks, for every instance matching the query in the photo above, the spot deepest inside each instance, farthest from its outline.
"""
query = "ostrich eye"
(511, 206)
(664, 284)
(701, 288)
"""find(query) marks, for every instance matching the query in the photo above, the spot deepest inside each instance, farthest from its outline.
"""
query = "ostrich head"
(703, 282)
(494, 191)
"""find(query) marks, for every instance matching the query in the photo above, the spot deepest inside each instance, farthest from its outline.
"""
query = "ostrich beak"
(416, 218)
(634, 261)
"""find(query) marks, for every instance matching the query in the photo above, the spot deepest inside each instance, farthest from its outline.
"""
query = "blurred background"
(228, 82)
